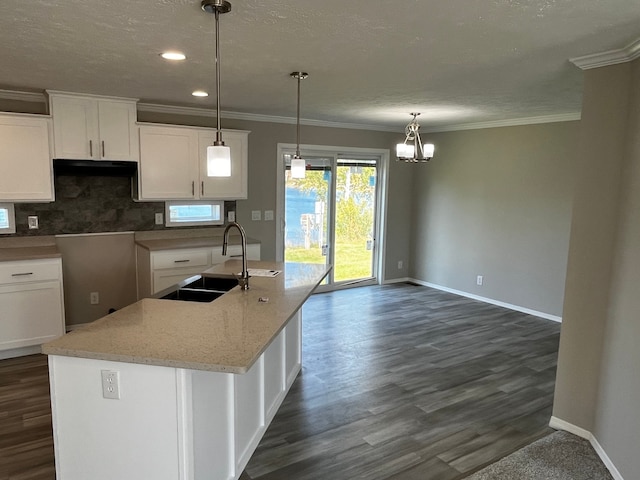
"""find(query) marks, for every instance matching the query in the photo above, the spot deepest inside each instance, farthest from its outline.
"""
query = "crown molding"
(513, 122)
(207, 112)
(204, 112)
(611, 57)
(22, 96)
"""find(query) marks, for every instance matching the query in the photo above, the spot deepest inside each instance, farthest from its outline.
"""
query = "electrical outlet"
(268, 215)
(400, 264)
(159, 219)
(94, 298)
(479, 280)
(256, 215)
(32, 221)
(231, 216)
(111, 384)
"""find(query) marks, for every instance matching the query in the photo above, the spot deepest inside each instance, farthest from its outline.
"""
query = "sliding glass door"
(331, 216)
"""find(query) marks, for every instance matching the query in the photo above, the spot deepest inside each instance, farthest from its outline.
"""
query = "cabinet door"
(234, 187)
(75, 127)
(168, 163)
(30, 314)
(118, 131)
(25, 159)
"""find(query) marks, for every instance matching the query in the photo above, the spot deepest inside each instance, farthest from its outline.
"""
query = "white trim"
(207, 112)
(20, 352)
(610, 57)
(559, 424)
(22, 96)
(510, 306)
(513, 122)
(396, 280)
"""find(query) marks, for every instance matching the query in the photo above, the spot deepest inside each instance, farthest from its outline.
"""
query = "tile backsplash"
(91, 204)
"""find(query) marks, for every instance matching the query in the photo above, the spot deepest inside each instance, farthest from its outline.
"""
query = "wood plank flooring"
(398, 382)
(407, 382)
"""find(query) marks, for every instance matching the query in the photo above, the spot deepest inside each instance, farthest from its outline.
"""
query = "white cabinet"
(168, 163)
(31, 302)
(230, 188)
(25, 158)
(160, 269)
(173, 164)
(94, 128)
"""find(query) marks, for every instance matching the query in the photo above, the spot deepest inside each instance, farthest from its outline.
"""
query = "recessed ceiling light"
(200, 93)
(173, 56)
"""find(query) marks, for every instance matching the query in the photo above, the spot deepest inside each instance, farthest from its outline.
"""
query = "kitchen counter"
(226, 335)
(28, 248)
(185, 238)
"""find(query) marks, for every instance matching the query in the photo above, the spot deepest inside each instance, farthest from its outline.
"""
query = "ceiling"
(370, 62)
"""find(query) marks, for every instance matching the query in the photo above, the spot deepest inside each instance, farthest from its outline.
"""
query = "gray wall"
(593, 230)
(597, 386)
(497, 202)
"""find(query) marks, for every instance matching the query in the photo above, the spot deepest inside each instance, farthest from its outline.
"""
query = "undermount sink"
(217, 284)
(199, 289)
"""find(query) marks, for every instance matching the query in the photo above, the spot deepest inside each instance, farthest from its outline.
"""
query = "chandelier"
(413, 150)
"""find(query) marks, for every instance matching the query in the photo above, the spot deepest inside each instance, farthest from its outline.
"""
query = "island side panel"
(136, 436)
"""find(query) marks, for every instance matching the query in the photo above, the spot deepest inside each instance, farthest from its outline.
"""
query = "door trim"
(334, 151)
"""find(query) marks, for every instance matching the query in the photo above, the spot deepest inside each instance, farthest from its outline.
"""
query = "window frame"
(11, 216)
(203, 223)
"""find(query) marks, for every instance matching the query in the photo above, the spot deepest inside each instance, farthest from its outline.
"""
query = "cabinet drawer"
(181, 258)
(29, 271)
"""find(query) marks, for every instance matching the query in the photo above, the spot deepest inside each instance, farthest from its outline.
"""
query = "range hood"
(110, 168)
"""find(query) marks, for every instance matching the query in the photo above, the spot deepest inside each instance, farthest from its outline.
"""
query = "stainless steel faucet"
(243, 281)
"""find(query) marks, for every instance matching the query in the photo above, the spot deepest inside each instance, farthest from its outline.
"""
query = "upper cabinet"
(173, 164)
(25, 158)
(94, 128)
(224, 188)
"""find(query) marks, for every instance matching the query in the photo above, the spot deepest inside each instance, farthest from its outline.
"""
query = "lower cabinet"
(170, 423)
(160, 269)
(31, 303)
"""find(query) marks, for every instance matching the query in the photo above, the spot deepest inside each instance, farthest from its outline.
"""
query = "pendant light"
(218, 155)
(298, 165)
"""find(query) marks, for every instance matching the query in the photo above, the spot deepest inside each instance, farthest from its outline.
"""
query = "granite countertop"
(28, 248)
(156, 244)
(226, 335)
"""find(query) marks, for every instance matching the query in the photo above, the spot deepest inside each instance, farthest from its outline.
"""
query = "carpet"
(559, 456)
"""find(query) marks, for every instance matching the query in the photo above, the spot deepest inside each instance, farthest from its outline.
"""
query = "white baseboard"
(20, 352)
(558, 424)
(397, 280)
(510, 306)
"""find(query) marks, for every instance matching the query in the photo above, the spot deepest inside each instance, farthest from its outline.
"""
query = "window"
(7, 218)
(186, 214)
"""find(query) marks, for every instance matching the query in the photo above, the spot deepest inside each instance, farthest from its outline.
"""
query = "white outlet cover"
(232, 216)
(159, 219)
(110, 384)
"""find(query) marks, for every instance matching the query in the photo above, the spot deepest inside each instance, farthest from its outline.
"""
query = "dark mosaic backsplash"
(91, 204)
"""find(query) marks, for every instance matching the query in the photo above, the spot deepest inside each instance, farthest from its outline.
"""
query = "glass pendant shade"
(428, 149)
(218, 161)
(404, 150)
(298, 168)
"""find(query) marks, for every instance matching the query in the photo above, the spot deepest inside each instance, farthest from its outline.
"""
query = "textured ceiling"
(370, 62)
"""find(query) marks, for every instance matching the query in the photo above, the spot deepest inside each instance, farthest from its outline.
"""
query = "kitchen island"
(194, 385)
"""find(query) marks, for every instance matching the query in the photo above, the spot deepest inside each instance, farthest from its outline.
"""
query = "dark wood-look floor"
(399, 382)
(407, 382)
(26, 437)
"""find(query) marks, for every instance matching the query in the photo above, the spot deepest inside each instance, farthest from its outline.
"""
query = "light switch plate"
(32, 220)
(256, 214)
(268, 215)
